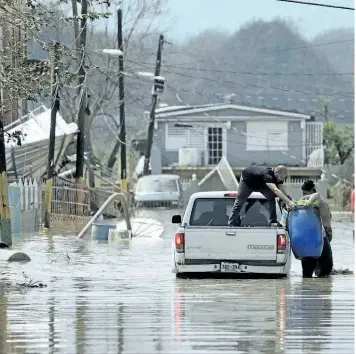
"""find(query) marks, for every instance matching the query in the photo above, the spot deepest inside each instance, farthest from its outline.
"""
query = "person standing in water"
(323, 265)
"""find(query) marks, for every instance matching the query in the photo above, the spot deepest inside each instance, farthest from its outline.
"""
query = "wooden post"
(5, 216)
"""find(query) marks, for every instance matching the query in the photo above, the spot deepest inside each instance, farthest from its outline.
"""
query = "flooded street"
(123, 298)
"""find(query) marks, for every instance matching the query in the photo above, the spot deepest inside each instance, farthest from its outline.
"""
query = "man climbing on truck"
(323, 266)
(263, 179)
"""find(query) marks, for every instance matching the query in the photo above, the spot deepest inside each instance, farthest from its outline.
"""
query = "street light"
(145, 73)
(121, 142)
(115, 52)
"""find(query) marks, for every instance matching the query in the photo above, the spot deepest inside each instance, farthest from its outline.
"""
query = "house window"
(196, 137)
(191, 136)
(176, 137)
(215, 145)
(267, 136)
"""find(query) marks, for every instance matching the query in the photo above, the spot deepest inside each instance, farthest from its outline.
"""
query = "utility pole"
(326, 112)
(52, 136)
(153, 107)
(82, 120)
(75, 24)
(122, 135)
(83, 98)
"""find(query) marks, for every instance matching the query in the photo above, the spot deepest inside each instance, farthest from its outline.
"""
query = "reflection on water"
(243, 318)
(309, 316)
(263, 316)
(104, 298)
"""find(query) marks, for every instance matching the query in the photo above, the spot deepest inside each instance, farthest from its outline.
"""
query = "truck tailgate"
(231, 243)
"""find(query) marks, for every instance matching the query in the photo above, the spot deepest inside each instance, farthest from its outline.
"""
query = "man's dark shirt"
(257, 176)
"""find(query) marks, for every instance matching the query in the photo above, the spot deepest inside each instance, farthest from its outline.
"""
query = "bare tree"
(142, 20)
(19, 80)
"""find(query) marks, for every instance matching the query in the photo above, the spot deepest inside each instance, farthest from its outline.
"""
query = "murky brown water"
(124, 299)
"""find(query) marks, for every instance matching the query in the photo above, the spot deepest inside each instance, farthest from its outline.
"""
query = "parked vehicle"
(159, 191)
(205, 243)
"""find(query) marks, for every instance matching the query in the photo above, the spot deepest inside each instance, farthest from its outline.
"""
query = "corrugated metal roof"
(36, 128)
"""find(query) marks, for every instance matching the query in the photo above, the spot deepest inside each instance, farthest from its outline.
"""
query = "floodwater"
(123, 298)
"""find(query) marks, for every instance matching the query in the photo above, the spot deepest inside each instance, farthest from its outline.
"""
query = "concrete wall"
(296, 192)
(214, 184)
(238, 156)
(168, 157)
(236, 147)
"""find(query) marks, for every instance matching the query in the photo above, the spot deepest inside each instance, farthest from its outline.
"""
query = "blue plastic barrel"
(306, 232)
(100, 230)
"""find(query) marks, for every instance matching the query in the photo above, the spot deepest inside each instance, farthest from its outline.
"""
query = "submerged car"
(159, 191)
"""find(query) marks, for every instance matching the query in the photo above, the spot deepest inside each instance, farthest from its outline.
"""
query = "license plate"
(229, 267)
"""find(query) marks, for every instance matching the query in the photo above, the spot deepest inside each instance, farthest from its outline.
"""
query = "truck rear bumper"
(243, 269)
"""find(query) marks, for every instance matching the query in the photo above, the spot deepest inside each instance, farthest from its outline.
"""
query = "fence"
(293, 182)
(70, 207)
(226, 174)
(25, 199)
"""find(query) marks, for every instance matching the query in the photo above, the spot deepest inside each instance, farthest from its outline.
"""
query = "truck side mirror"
(176, 219)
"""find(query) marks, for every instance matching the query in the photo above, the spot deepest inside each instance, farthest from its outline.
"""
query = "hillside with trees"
(264, 63)
(267, 64)
(340, 50)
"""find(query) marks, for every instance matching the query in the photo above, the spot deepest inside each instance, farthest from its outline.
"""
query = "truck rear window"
(216, 212)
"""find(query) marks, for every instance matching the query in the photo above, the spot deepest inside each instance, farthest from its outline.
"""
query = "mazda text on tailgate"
(205, 243)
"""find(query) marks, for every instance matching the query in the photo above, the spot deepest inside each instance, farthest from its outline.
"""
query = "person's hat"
(308, 185)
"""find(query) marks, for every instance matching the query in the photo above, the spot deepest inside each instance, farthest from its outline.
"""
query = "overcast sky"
(189, 17)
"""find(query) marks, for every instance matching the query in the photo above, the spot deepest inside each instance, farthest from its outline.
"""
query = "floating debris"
(341, 271)
(29, 283)
(36, 284)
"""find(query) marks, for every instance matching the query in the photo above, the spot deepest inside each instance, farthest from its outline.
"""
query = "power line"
(273, 51)
(332, 88)
(310, 46)
(219, 97)
(246, 85)
(257, 73)
(316, 4)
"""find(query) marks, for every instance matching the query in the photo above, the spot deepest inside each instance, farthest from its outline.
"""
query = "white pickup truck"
(205, 243)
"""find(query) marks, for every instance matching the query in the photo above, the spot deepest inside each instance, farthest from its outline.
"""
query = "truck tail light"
(281, 243)
(230, 195)
(179, 239)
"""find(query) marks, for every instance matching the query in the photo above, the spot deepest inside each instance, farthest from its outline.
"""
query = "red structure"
(353, 200)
